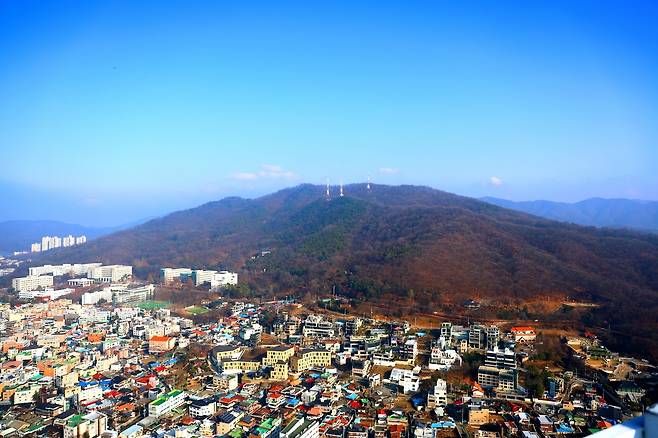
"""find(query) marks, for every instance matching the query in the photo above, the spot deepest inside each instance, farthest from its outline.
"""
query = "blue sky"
(114, 111)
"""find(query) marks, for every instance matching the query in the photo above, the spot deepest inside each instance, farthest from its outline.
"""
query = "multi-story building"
(35, 247)
(483, 337)
(301, 428)
(279, 371)
(65, 269)
(279, 353)
(223, 278)
(111, 273)
(408, 380)
(499, 370)
(166, 403)
(226, 352)
(439, 396)
(133, 295)
(200, 276)
(316, 327)
(90, 425)
(310, 358)
(32, 282)
(161, 344)
(203, 408)
(171, 274)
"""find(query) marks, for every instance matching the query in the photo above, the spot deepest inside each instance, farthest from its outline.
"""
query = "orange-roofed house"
(523, 334)
(161, 344)
(95, 338)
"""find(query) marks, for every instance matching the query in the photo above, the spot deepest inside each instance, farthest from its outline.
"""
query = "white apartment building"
(68, 241)
(32, 282)
(316, 327)
(111, 273)
(443, 359)
(36, 247)
(170, 274)
(80, 240)
(438, 397)
(201, 276)
(409, 380)
(166, 403)
(58, 270)
(223, 278)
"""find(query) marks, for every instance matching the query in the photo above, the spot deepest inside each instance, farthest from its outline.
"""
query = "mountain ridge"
(391, 243)
(600, 212)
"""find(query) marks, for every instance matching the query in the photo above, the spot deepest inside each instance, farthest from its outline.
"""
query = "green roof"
(236, 433)
(75, 420)
(158, 401)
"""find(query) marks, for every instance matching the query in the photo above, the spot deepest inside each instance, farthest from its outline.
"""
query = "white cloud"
(388, 170)
(245, 176)
(267, 171)
(495, 181)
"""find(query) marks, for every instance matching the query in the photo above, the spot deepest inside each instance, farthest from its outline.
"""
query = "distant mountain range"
(598, 212)
(18, 235)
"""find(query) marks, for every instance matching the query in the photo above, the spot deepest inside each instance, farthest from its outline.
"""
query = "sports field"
(196, 310)
(153, 304)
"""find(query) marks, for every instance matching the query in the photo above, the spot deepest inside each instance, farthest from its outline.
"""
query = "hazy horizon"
(154, 213)
(115, 112)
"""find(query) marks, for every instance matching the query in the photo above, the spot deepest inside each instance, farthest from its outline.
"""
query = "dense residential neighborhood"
(117, 362)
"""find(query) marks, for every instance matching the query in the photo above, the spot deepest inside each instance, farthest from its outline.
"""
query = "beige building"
(279, 371)
(310, 358)
(281, 353)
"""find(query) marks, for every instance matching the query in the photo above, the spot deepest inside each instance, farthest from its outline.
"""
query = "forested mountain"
(392, 242)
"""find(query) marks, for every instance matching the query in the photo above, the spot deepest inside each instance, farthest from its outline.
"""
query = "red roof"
(523, 329)
(160, 338)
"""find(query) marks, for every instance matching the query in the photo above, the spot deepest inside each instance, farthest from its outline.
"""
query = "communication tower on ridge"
(341, 189)
(327, 194)
(368, 185)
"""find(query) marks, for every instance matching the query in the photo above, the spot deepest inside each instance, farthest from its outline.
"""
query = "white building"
(166, 403)
(32, 282)
(171, 274)
(65, 269)
(201, 276)
(438, 397)
(36, 247)
(80, 240)
(111, 273)
(81, 282)
(301, 428)
(90, 298)
(133, 295)
(407, 379)
(223, 278)
(443, 359)
(47, 294)
(68, 241)
(134, 431)
(316, 327)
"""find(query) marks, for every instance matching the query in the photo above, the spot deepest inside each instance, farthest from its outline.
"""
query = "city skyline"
(115, 113)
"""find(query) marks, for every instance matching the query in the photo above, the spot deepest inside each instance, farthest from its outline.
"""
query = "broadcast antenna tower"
(341, 189)
(327, 193)
(368, 185)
